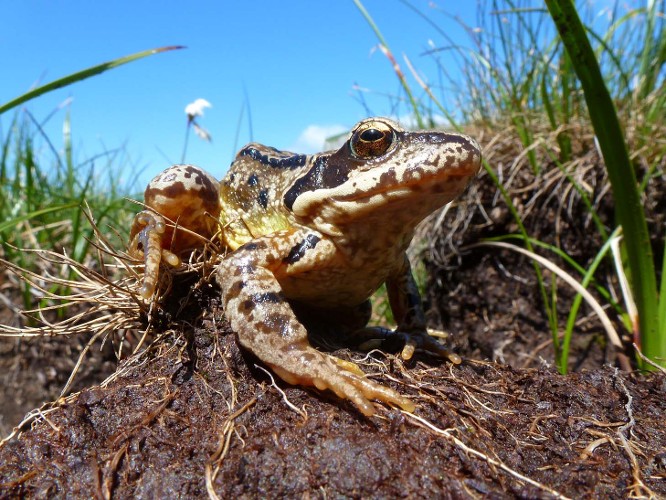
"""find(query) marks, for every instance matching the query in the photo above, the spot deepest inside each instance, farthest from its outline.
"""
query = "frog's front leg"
(407, 309)
(266, 325)
(146, 241)
(183, 206)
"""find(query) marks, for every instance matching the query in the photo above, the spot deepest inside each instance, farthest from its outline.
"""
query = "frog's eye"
(372, 141)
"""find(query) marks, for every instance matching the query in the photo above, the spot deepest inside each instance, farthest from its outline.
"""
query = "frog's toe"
(359, 390)
(423, 342)
(328, 373)
(406, 342)
(146, 241)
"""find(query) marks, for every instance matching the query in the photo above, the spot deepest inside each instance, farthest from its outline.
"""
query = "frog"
(306, 240)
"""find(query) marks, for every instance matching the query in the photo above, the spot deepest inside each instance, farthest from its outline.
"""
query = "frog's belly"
(332, 287)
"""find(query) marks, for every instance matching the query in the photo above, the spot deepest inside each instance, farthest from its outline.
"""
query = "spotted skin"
(309, 239)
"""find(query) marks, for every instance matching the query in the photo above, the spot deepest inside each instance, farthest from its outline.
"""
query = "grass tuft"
(599, 83)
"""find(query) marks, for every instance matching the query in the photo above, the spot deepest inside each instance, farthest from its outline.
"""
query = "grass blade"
(607, 324)
(31, 215)
(389, 55)
(629, 210)
(81, 75)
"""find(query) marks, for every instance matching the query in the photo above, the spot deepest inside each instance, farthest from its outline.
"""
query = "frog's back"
(252, 193)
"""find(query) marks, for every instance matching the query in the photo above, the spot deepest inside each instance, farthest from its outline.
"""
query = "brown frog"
(310, 238)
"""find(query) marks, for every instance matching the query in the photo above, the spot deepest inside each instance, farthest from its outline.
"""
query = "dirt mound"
(189, 418)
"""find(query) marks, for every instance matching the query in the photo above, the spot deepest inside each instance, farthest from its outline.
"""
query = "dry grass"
(565, 208)
(96, 300)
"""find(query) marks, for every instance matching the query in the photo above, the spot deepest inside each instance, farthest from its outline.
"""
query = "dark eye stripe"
(326, 172)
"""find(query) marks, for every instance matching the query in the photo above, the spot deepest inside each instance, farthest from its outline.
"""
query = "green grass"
(46, 193)
(626, 190)
(46, 196)
(537, 67)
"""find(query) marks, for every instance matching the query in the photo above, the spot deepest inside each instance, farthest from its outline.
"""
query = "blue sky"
(297, 60)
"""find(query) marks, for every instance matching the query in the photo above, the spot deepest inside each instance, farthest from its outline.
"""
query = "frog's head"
(383, 171)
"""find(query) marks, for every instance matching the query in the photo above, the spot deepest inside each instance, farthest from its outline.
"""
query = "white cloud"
(318, 138)
(315, 138)
(409, 121)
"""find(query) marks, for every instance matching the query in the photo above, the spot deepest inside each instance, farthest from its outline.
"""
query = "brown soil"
(194, 416)
(191, 415)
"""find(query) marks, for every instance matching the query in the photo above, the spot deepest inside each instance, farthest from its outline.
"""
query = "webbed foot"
(310, 367)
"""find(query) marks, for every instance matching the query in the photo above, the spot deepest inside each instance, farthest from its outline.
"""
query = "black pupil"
(372, 135)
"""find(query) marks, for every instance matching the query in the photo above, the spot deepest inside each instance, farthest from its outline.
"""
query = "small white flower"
(196, 108)
(201, 132)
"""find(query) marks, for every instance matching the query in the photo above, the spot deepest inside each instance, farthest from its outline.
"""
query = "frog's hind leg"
(408, 312)
(188, 198)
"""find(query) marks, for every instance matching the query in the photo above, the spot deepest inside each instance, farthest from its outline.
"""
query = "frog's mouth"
(419, 195)
(416, 180)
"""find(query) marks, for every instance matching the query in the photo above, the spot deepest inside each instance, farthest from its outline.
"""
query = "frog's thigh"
(267, 326)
